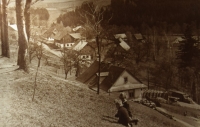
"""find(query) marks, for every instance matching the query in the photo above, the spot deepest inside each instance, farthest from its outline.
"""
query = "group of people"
(124, 113)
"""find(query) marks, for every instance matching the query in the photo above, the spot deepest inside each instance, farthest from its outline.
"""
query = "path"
(179, 118)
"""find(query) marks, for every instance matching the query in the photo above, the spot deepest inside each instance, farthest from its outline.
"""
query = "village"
(90, 67)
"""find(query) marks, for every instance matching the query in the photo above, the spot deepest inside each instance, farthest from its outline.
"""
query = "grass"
(61, 104)
(180, 110)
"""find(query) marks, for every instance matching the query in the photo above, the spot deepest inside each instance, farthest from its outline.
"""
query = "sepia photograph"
(99, 63)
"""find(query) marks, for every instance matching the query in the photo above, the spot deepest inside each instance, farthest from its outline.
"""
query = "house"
(139, 37)
(122, 38)
(89, 76)
(79, 46)
(120, 79)
(77, 28)
(62, 38)
(86, 51)
(177, 40)
(113, 79)
(50, 33)
(75, 38)
(66, 37)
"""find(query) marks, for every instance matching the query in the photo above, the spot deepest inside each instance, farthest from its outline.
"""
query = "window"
(132, 94)
(125, 79)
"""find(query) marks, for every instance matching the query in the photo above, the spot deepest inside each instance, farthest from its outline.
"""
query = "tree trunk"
(27, 18)
(99, 64)
(5, 20)
(1, 24)
(194, 87)
(23, 57)
(4, 30)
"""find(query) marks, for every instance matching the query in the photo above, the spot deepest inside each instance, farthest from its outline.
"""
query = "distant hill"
(61, 4)
(56, 8)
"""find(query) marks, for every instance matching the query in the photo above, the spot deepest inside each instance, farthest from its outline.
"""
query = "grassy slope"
(61, 104)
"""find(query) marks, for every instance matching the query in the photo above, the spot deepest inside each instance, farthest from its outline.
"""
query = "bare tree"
(93, 16)
(39, 54)
(32, 49)
(67, 59)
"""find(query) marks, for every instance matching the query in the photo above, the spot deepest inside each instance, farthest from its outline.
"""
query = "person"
(122, 114)
(126, 105)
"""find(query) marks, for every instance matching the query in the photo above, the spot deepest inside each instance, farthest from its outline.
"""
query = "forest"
(158, 62)
(170, 15)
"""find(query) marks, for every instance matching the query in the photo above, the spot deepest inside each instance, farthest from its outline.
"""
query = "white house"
(113, 79)
(121, 80)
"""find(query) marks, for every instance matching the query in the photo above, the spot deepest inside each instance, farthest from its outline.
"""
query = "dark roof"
(50, 31)
(134, 76)
(91, 71)
(114, 73)
(62, 33)
(75, 35)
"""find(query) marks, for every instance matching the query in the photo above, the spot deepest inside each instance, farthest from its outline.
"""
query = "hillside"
(68, 103)
(56, 8)
(67, 3)
(61, 103)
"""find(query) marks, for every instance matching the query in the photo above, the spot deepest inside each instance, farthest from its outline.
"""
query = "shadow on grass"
(109, 119)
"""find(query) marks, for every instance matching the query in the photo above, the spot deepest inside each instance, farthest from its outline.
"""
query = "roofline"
(129, 89)
(133, 75)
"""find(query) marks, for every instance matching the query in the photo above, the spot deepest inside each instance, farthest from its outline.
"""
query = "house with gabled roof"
(76, 36)
(52, 31)
(113, 79)
(86, 53)
(85, 49)
(79, 45)
(121, 38)
(74, 39)
(89, 75)
(62, 38)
